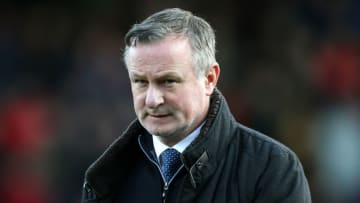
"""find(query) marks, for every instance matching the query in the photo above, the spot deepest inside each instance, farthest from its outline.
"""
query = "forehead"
(170, 51)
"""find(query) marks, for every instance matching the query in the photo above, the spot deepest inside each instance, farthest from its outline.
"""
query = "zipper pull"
(89, 194)
(164, 193)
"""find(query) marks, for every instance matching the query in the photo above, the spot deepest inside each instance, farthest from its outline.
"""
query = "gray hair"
(179, 22)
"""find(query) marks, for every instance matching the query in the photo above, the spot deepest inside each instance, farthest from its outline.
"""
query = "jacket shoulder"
(259, 145)
(276, 169)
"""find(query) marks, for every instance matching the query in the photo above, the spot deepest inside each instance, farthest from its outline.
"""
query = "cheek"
(187, 105)
(195, 102)
(138, 100)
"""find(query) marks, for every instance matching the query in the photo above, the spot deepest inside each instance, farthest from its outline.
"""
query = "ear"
(211, 78)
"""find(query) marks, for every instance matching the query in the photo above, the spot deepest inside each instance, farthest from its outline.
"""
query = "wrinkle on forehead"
(167, 54)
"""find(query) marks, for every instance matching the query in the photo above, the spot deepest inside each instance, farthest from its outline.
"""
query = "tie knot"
(170, 163)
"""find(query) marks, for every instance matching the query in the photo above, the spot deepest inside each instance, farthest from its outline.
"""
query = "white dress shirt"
(180, 146)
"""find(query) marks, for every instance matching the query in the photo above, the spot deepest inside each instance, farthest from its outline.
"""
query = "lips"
(158, 115)
(157, 112)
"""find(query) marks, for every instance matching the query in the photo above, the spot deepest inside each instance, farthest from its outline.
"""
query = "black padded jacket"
(226, 163)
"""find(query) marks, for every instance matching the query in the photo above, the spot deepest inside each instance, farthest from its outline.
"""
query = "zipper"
(164, 192)
(150, 159)
(89, 193)
(166, 185)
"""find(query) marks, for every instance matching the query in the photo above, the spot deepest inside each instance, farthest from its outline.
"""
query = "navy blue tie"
(170, 162)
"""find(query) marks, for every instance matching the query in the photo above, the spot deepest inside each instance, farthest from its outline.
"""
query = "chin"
(161, 132)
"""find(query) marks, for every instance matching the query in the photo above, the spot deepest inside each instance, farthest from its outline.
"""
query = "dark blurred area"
(290, 69)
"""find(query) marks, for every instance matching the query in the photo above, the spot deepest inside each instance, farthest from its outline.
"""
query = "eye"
(140, 82)
(169, 81)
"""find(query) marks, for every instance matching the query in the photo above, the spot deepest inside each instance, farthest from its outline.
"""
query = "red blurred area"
(21, 188)
(337, 69)
(25, 124)
(24, 128)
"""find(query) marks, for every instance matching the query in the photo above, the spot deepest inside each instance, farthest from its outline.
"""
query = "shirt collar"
(180, 146)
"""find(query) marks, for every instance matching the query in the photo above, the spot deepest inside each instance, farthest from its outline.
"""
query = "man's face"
(170, 100)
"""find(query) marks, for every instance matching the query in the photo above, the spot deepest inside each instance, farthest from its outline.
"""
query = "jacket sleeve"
(283, 181)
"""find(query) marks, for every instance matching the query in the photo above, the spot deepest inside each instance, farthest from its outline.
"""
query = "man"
(183, 118)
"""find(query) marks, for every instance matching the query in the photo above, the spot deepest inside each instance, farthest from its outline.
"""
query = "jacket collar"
(200, 158)
(206, 151)
(103, 175)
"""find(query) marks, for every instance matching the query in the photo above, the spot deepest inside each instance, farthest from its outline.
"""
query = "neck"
(170, 141)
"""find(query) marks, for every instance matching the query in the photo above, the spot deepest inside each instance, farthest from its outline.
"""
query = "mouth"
(158, 115)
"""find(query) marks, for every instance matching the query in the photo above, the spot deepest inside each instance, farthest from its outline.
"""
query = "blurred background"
(290, 69)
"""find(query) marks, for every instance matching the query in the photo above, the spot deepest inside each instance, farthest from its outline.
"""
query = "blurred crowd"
(289, 69)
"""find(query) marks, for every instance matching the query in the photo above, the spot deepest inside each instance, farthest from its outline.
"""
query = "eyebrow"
(135, 74)
(162, 75)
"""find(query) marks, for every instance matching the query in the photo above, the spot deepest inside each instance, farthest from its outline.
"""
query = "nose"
(154, 97)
